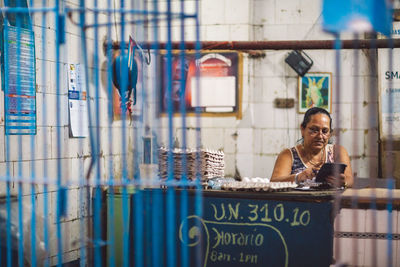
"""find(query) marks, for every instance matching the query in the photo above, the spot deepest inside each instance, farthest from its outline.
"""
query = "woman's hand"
(308, 173)
(337, 182)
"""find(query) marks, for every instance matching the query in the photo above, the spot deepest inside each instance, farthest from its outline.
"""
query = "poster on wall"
(389, 89)
(19, 81)
(217, 90)
(315, 90)
(77, 106)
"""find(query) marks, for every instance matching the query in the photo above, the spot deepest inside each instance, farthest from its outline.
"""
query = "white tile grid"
(348, 93)
(230, 164)
(257, 139)
(262, 116)
(219, 122)
(245, 143)
(350, 251)
(275, 32)
(257, 89)
(245, 164)
(292, 85)
(353, 141)
(297, 32)
(330, 63)
(274, 141)
(364, 68)
(371, 142)
(317, 32)
(263, 12)
(376, 252)
(74, 235)
(217, 138)
(237, 11)
(366, 167)
(272, 65)
(2, 141)
(365, 114)
(284, 118)
(43, 79)
(347, 62)
(342, 116)
(274, 87)
(310, 11)
(350, 220)
(212, 12)
(370, 93)
(230, 140)
(257, 32)
(287, 12)
(45, 51)
(67, 257)
(215, 33)
(263, 165)
(21, 150)
(247, 119)
(240, 32)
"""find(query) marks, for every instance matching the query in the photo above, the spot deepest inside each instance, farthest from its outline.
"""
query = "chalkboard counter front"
(236, 228)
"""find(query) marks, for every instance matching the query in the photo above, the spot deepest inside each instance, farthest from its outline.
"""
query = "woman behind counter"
(303, 161)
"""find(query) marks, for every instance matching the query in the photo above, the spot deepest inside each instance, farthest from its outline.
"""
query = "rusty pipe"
(272, 45)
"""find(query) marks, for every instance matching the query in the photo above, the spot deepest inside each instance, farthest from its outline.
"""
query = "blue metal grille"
(58, 184)
(94, 198)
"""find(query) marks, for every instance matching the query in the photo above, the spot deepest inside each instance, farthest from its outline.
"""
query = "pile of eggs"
(257, 184)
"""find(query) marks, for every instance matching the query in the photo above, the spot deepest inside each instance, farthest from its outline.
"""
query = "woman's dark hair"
(313, 111)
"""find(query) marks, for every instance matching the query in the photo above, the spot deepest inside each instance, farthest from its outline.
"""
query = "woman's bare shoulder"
(286, 153)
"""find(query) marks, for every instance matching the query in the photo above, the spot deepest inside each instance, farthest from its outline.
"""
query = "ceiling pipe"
(272, 45)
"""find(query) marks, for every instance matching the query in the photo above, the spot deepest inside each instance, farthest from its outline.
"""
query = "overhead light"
(357, 16)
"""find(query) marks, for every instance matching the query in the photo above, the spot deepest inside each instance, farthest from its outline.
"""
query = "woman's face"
(317, 131)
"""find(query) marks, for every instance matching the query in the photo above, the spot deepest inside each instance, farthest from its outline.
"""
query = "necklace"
(319, 163)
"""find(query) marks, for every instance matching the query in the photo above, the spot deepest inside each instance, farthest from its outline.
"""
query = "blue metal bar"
(389, 168)
(183, 81)
(8, 165)
(157, 225)
(138, 226)
(110, 197)
(198, 194)
(135, 22)
(20, 191)
(33, 196)
(170, 191)
(58, 140)
(98, 197)
(45, 170)
(24, 10)
(125, 198)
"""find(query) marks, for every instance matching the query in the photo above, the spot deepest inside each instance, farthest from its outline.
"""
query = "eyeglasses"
(316, 131)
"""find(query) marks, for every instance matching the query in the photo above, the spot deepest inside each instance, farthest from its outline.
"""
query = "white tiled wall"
(354, 112)
(366, 251)
(251, 144)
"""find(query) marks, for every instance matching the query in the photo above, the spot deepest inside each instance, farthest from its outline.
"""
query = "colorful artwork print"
(315, 90)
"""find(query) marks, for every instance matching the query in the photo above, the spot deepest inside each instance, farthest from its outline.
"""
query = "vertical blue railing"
(164, 248)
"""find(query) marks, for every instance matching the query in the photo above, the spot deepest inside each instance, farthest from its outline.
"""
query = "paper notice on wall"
(389, 80)
(214, 92)
(78, 117)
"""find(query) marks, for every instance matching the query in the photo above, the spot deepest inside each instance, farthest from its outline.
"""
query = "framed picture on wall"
(315, 90)
(216, 92)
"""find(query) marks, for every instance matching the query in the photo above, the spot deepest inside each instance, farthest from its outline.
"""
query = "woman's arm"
(283, 168)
